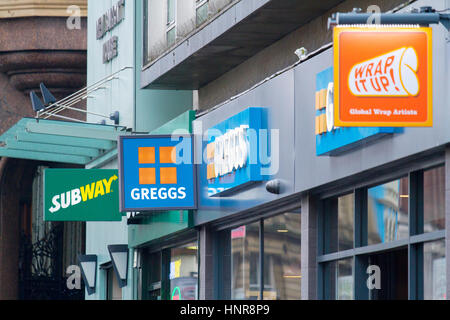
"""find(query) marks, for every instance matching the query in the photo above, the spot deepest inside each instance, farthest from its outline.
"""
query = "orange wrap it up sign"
(383, 76)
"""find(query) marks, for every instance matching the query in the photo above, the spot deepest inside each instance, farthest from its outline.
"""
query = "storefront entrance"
(393, 275)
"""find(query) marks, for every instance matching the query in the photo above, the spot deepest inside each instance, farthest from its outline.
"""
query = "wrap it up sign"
(383, 76)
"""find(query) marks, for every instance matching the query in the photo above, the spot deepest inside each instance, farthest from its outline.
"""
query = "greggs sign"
(156, 173)
(232, 152)
(383, 76)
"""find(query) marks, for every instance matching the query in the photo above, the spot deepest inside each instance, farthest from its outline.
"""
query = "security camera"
(301, 53)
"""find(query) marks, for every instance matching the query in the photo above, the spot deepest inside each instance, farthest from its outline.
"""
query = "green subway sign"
(81, 195)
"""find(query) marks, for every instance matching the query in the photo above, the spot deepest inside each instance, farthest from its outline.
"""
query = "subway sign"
(156, 173)
(232, 152)
(383, 76)
(81, 195)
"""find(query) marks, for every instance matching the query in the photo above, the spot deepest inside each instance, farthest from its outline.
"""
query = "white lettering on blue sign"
(158, 193)
(231, 151)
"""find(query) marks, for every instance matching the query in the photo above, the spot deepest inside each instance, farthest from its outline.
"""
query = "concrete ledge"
(237, 34)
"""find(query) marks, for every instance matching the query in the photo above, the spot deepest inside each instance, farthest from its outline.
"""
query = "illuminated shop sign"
(232, 152)
(331, 140)
(383, 76)
(81, 195)
(156, 173)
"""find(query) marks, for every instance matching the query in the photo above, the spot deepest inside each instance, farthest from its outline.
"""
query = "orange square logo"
(168, 175)
(167, 155)
(147, 176)
(383, 77)
(146, 155)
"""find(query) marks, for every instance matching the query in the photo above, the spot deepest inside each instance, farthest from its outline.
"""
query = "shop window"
(339, 279)
(282, 254)
(339, 219)
(392, 276)
(244, 262)
(183, 274)
(171, 273)
(405, 219)
(434, 199)
(434, 275)
(388, 211)
(153, 276)
(272, 245)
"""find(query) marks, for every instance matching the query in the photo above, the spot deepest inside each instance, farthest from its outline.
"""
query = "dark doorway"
(394, 275)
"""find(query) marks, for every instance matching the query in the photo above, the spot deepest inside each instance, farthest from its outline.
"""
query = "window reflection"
(340, 279)
(340, 221)
(184, 272)
(282, 253)
(434, 199)
(388, 211)
(434, 275)
(245, 262)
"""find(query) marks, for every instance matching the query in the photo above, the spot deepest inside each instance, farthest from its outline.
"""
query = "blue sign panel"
(232, 152)
(156, 173)
(331, 140)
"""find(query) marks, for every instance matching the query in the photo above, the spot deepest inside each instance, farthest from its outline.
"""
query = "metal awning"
(59, 141)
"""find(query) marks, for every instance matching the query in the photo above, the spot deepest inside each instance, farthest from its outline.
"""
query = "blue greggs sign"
(331, 140)
(232, 152)
(156, 173)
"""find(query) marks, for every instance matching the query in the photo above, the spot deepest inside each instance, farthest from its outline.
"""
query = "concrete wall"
(119, 93)
(279, 55)
(185, 20)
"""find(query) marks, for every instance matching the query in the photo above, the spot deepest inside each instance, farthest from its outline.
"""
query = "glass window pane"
(434, 271)
(282, 267)
(245, 262)
(392, 277)
(339, 217)
(171, 35)
(202, 13)
(151, 276)
(171, 10)
(434, 199)
(184, 272)
(346, 210)
(339, 278)
(388, 212)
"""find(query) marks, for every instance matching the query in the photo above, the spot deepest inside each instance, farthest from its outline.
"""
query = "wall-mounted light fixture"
(119, 258)
(88, 264)
(274, 186)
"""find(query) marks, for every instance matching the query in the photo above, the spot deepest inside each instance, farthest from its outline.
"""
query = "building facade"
(313, 209)
(36, 46)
